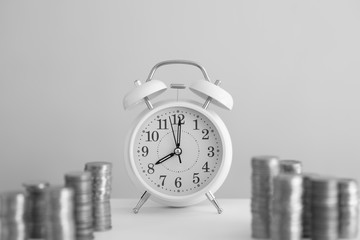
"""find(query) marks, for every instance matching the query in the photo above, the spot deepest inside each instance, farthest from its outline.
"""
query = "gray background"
(291, 66)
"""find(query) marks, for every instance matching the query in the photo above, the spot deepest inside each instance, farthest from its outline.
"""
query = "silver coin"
(290, 166)
(35, 215)
(82, 183)
(59, 213)
(85, 231)
(348, 208)
(12, 205)
(324, 184)
(12, 215)
(348, 212)
(101, 228)
(83, 199)
(286, 210)
(264, 168)
(78, 176)
(80, 187)
(324, 201)
(101, 194)
(307, 212)
(98, 166)
(13, 231)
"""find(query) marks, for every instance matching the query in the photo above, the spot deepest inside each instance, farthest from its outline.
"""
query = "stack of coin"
(324, 206)
(81, 183)
(306, 219)
(12, 216)
(286, 211)
(35, 216)
(290, 166)
(348, 208)
(101, 187)
(59, 213)
(264, 169)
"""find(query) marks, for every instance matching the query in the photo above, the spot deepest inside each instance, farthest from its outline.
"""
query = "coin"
(35, 216)
(324, 207)
(306, 223)
(286, 211)
(12, 215)
(101, 194)
(264, 168)
(81, 183)
(348, 208)
(290, 166)
(59, 213)
(98, 167)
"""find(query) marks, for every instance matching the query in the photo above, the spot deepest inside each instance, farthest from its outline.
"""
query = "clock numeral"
(145, 151)
(206, 134)
(206, 167)
(196, 179)
(152, 136)
(162, 177)
(211, 151)
(162, 124)
(196, 124)
(151, 169)
(178, 182)
(180, 117)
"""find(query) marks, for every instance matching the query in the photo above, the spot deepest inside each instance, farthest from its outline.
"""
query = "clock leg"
(141, 202)
(212, 199)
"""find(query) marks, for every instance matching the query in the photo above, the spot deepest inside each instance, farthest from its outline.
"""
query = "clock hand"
(176, 144)
(161, 160)
(178, 134)
(172, 129)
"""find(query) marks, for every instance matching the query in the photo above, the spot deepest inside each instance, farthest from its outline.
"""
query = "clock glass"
(177, 151)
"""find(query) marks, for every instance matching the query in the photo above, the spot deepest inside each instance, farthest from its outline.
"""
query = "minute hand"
(178, 134)
(161, 160)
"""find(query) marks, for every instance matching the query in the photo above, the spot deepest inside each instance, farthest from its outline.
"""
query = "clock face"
(177, 151)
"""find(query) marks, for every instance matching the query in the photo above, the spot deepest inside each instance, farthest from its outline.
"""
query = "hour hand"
(161, 160)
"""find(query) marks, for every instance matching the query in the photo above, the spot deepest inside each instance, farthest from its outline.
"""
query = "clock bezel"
(193, 198)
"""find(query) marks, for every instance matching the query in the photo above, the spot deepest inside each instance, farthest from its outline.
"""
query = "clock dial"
(177, 151)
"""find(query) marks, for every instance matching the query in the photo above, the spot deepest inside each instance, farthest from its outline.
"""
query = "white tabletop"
(196, 222)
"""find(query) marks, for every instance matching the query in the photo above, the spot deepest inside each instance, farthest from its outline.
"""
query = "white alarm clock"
(179, 152)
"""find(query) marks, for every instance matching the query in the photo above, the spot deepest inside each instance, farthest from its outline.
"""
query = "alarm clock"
(179, 152)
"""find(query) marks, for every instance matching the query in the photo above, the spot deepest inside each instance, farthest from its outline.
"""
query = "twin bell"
(151, 88)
